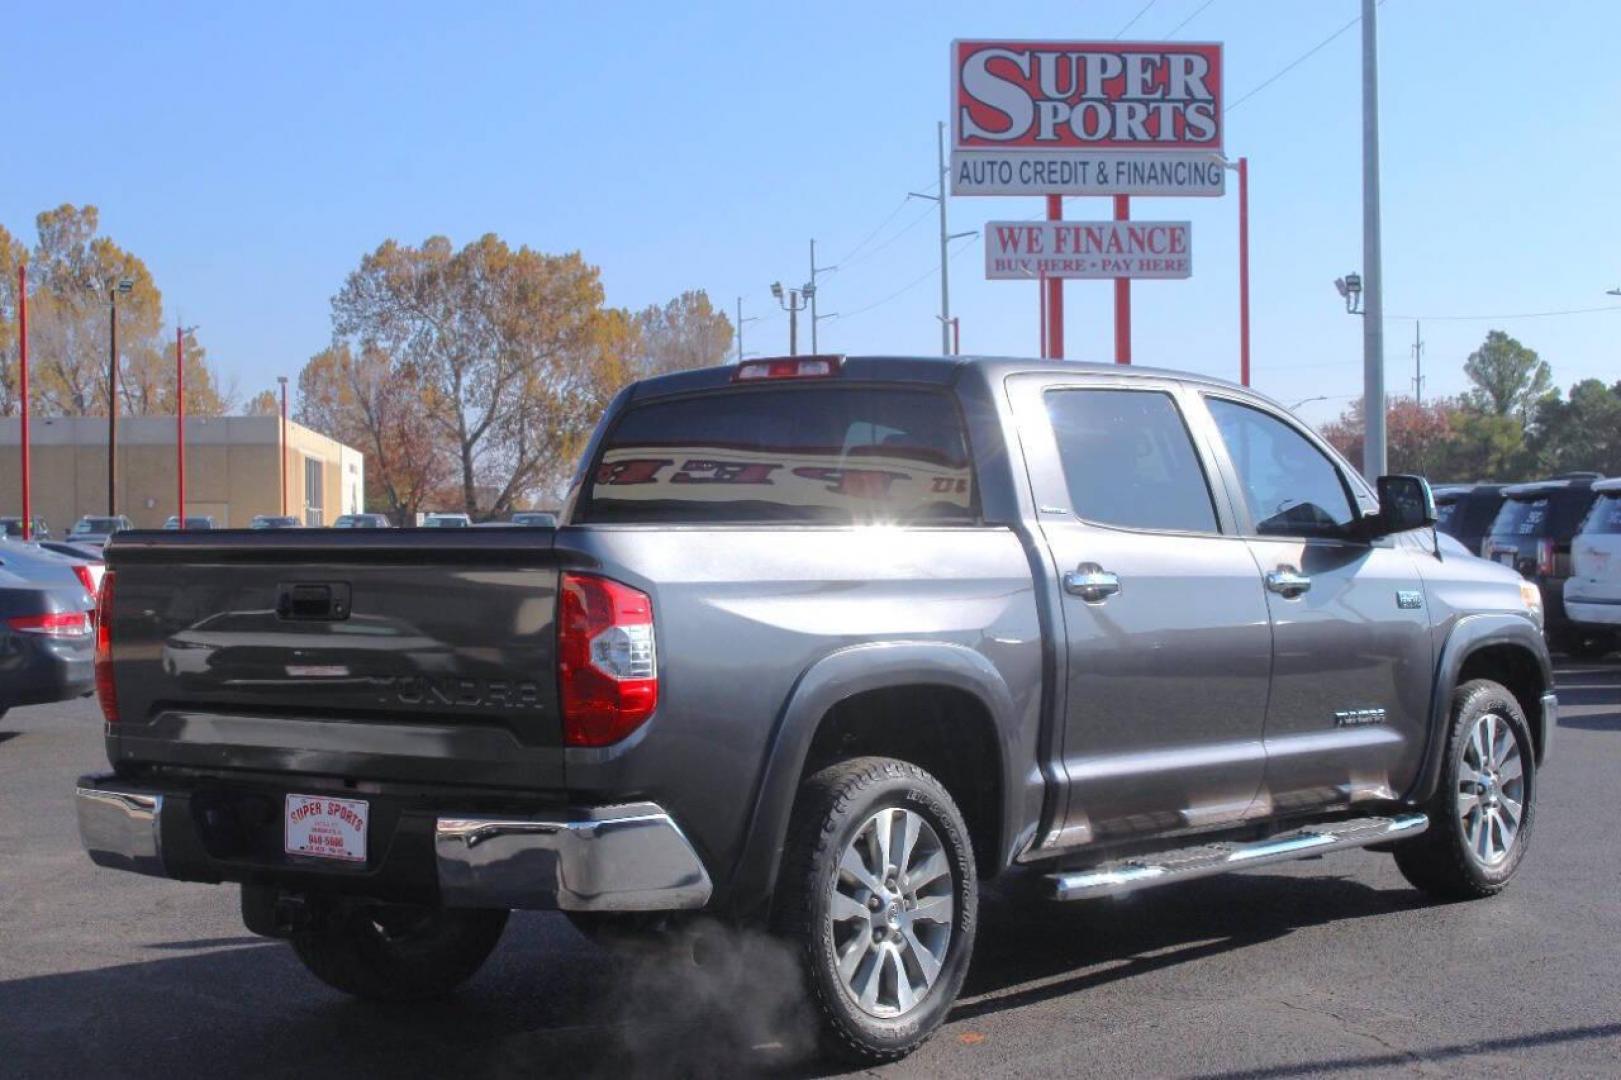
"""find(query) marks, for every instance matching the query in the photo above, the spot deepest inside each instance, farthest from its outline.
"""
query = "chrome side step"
(1185, 864)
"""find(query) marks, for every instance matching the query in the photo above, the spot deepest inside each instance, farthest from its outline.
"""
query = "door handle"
(1288, 582)
(1091, 583)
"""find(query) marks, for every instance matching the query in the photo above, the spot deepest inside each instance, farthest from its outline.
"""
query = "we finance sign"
(1086, 118)
(1029, 250)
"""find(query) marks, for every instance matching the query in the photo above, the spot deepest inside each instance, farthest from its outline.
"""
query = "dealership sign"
(1086, 118)
(1026, 250)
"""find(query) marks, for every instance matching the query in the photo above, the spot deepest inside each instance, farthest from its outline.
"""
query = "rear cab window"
(1604, 519)
(853, 454)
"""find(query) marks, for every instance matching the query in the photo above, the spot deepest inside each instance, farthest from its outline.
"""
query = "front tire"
(880, 896)
(397, 953)
(1484, 807)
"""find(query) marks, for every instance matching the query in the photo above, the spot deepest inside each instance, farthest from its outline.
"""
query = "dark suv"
(1532, 533)
(1465, 512)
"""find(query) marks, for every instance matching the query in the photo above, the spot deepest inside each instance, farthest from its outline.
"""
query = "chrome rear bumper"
(616, 858)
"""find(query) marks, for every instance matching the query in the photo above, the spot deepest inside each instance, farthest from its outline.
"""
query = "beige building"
(233, 470)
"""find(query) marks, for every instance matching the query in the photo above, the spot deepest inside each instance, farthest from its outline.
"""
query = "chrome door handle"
(1091, 583)
(1288, 582)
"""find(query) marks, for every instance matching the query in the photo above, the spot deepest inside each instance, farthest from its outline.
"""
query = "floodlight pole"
(1373, 326)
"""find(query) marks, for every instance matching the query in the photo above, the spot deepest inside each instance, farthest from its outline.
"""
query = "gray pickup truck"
(821, 644)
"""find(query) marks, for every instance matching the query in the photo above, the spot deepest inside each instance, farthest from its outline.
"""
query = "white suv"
(1593, 590)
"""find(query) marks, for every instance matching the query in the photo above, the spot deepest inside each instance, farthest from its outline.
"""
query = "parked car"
(447, 521)
(1532, 533)
(1593, 590)
(539, 519)
(96, 531)
(1466, 511)
(13, 528)
(36, 564)
(202, 521)
(275, 521)
(362, 521)
(823, 644)
(46, 643)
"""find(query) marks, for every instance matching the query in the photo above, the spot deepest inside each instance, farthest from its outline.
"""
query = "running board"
(1185, 864)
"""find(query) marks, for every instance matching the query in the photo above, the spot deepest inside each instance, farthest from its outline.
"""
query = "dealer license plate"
(326, 828)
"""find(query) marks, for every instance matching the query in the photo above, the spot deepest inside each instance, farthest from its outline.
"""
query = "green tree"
(1582, 432)
(1508, 378)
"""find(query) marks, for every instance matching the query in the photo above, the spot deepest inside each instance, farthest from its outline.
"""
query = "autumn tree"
(511, 352)
(686, 333)
(1508, 378)
(73, 274)
(379, 407)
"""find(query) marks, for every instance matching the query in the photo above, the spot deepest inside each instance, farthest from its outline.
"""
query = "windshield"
(846, 455)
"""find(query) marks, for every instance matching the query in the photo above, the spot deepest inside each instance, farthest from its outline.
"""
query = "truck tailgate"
(385, 655)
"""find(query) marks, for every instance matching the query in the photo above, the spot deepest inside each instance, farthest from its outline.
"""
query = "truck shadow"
(1587, 686)
(550, 1003)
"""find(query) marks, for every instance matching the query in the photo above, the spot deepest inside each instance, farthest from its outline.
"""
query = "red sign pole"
(1055, 292)
(22, 379)
(180, 419)
(1122, 294)
(1244, 270)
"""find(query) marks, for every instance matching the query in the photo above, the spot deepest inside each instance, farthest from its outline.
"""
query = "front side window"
(819, 455)
(1290, 487)
(1129, 461)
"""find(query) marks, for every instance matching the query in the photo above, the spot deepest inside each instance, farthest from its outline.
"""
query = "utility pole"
(793, 302)
(811, 292)
(1373, 325)
(740, 321)
(1418, 364)
(946, 237)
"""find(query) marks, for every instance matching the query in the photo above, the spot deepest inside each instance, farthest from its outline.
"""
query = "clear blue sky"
(252, 154)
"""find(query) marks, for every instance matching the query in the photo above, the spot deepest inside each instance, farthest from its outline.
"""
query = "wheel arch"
(1505, 648)
(859, 701)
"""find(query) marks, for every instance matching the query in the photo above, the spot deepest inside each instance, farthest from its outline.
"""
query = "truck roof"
(936, 370)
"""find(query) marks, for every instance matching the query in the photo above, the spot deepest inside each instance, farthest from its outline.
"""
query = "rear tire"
(1485, 804)
(879, 894)
(1589, 646)
(397, 953)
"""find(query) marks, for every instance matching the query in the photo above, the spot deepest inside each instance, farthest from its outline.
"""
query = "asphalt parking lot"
(1327, 967)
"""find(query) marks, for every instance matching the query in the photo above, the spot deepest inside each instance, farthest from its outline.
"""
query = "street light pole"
(1373, 326)
(180, 421)
(123, 285)
(22, 379)
(282, 379)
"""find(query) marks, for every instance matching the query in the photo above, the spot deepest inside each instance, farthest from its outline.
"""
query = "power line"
(1141, 12)
(908, 287)
(1519, 315)
(1196, 13)
(1296, 62)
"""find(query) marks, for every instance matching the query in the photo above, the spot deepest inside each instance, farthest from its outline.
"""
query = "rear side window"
(851, 455)
(1129, 461)
(1604, 519)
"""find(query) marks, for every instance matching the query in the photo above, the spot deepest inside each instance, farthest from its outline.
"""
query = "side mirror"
(1405, 502)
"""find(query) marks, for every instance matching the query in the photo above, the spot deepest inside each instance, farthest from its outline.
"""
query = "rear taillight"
(607, 663)
(105, 691)
(1545, 557)
(61, 624)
